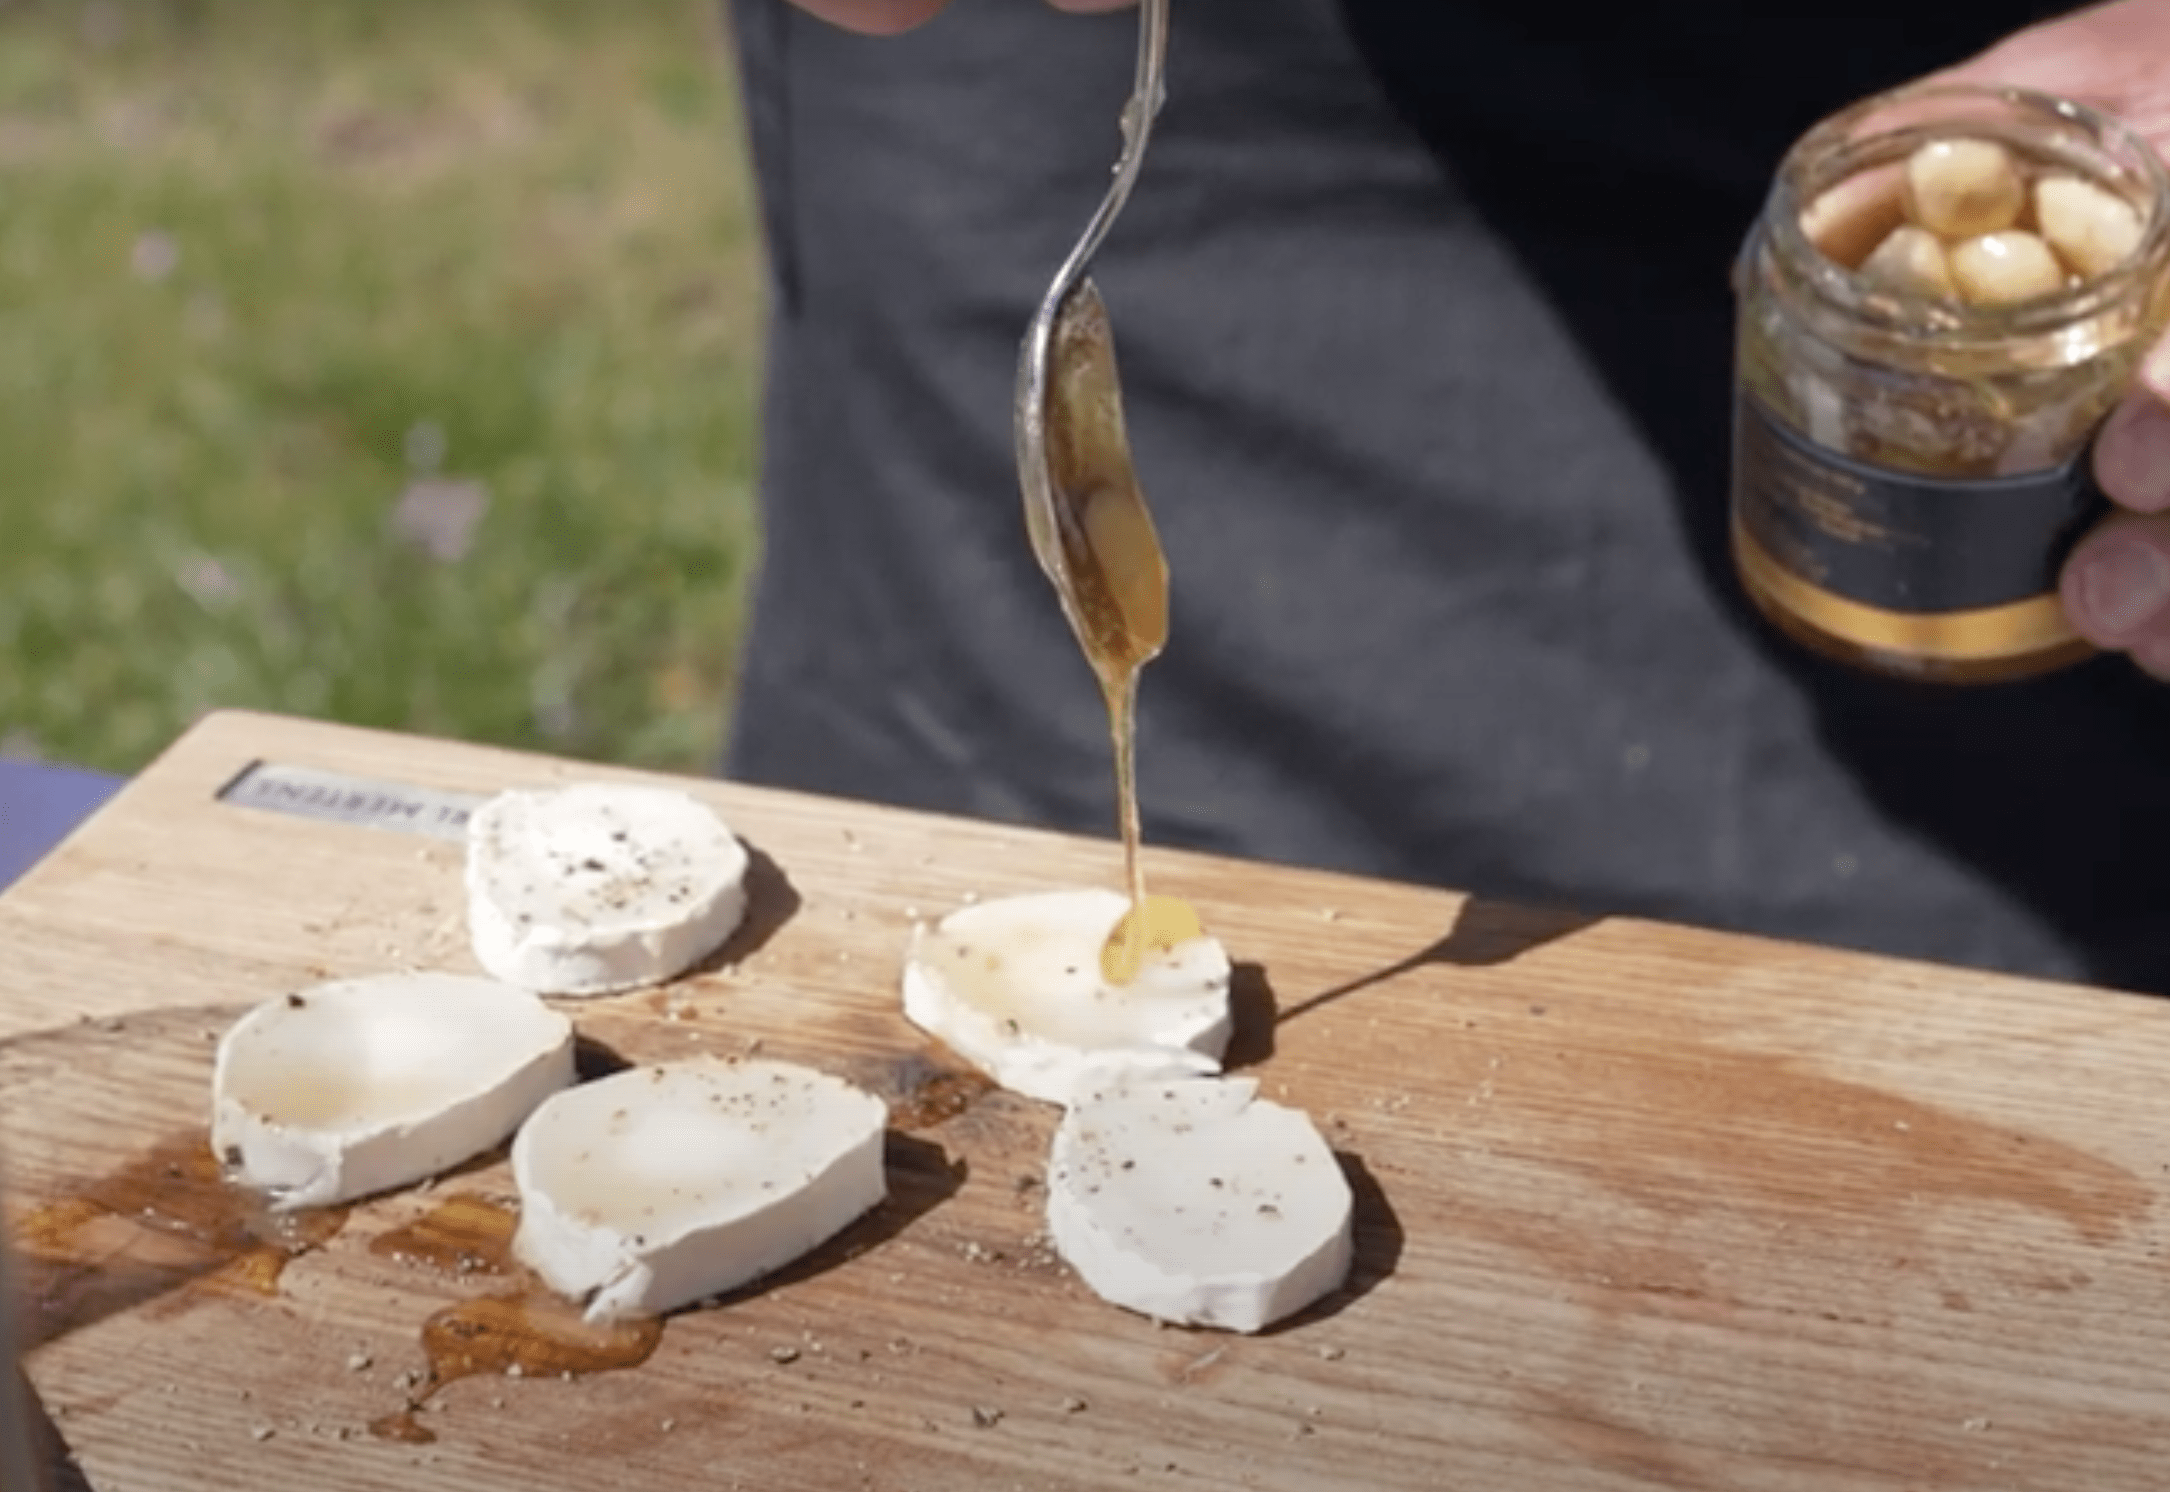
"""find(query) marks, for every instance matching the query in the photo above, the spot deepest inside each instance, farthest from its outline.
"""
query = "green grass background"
(266, 263)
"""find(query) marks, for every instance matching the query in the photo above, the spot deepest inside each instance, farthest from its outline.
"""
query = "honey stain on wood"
(463, 1235)
(533, 1333)
(163, 1220)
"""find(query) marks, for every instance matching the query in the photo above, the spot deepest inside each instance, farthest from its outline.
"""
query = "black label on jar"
(1898, 541)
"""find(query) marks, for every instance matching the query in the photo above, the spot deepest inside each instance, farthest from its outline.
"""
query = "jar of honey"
(1948, 290)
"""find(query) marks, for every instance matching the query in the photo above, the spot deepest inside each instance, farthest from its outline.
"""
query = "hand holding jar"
(2116, 583)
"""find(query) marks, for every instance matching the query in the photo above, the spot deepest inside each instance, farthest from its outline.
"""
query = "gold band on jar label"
(1910, 569)
(2019, 629)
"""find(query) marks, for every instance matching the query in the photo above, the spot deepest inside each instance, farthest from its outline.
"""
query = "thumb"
(2116, 589)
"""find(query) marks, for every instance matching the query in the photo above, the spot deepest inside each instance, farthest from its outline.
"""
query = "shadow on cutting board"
(1485, 933)
(771, 901)
(49, 1453)
(1253, 1011)
(1378, 1242)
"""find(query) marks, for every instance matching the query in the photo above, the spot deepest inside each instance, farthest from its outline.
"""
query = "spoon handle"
(1148, 91)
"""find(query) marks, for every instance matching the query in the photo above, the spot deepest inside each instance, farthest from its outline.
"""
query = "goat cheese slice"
(359, 1085)
(1015, 987)
(657, 1186)
(1198, 1202)
(598, 887)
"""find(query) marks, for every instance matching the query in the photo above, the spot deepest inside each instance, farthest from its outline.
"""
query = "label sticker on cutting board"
(334, 797)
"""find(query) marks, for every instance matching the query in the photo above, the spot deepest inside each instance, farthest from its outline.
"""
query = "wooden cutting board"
(1639, 1206)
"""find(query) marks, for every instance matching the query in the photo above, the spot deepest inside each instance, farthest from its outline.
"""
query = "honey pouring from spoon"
(1084, 510)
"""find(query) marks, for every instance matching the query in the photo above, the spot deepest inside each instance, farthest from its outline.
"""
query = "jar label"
(1900, 542)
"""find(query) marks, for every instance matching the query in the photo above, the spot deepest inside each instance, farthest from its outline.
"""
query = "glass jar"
(1910, 453)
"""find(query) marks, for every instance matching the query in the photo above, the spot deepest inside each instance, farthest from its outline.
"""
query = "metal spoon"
(1089, 524)
(1067, 393)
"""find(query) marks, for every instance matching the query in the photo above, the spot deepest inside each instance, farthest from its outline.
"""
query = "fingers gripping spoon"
(1084, 511)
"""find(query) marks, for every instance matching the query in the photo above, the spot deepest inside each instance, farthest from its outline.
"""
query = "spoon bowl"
(1074, 399)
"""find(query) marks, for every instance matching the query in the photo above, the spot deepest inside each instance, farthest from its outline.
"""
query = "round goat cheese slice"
(1196, 1201)
(657, 1186)
(599, 887)
(359, 1085)
(1015, 987)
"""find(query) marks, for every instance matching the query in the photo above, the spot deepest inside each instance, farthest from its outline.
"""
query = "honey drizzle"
(1124, 954)
(1113, 581)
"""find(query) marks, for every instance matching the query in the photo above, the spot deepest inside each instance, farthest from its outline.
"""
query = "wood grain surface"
(1639, 1206)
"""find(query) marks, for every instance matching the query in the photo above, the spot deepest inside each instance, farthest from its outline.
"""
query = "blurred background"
(385, 361)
